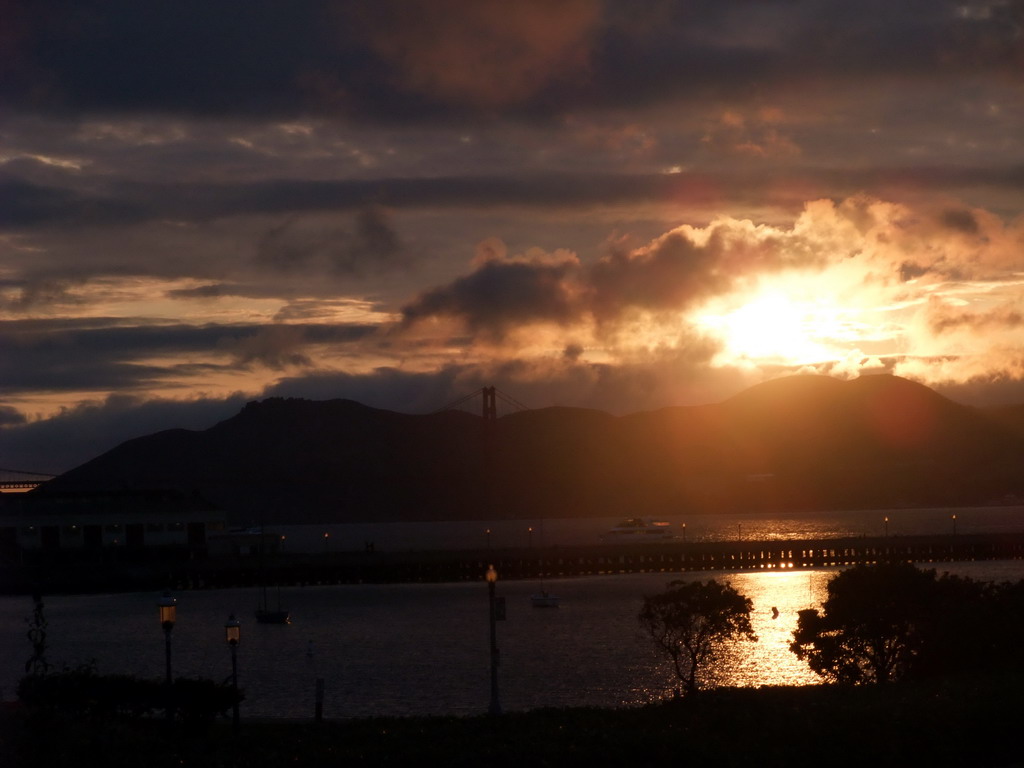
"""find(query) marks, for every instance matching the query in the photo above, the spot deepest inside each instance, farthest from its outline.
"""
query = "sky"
(614, 205)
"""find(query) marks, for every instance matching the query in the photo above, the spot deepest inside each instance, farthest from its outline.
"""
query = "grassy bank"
(964, 722)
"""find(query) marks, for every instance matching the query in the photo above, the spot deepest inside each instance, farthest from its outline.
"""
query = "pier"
(356, 567)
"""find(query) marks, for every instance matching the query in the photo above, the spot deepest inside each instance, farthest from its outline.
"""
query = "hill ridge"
(811, 442)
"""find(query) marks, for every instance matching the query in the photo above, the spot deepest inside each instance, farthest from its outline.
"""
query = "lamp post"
(529, 537)
(886, 521)
(168, 613)
(233, 635)
(492, 580)
(954, 525)
(684, 533)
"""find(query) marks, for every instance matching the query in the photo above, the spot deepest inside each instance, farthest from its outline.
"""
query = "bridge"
(21, 479)
(489, 400)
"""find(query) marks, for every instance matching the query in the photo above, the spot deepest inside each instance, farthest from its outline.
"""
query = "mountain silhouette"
(801, 442)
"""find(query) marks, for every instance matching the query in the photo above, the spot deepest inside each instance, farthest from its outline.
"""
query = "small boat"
(264, 613)
(269, 616)
(640, 529)
(544, 599)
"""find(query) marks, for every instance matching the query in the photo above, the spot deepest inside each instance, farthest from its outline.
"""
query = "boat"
(635, 529)
(544, 599)
(264, 613)
(270, 616)
(267, 615)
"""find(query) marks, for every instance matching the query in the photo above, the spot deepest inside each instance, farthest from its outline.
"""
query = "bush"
(83, 693)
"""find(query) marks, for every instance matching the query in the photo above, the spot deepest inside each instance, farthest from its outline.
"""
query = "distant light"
(492, 575)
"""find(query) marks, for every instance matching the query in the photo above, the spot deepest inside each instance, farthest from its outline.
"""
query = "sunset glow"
(372, 205)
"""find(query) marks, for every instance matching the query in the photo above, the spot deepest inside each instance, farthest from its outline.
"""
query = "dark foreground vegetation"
(971, 722)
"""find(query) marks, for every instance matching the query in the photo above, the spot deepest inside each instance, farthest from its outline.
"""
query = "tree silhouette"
(37, 663)
(691, 621)
(888, 622)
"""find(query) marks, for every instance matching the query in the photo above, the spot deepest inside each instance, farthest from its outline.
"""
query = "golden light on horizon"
(772, 326)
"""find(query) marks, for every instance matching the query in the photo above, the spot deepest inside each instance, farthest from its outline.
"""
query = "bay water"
(422, 649)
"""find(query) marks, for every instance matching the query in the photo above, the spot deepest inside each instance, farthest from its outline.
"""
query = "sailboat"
(267, 615)
(264, 613)
(544, 599)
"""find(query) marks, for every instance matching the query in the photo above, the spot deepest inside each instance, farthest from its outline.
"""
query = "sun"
(772, 327)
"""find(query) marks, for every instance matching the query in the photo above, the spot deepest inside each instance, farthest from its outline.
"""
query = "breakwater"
(353, 567)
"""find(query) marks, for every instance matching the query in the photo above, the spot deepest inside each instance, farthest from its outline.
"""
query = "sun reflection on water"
(765, 662)
(769, 661)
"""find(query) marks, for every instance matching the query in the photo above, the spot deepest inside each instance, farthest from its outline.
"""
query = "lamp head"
(168, 610)
(233, 631)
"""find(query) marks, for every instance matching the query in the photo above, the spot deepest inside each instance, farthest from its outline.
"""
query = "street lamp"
(168, 610)
(492, 580)
(954, 525)
(233, 635)
(529, 537)
(886, 520)
(684, 533)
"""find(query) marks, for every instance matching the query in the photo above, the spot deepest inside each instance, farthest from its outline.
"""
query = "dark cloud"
(40, 292)
(24, 204)
(10, 416)
(943, 318)
(190, 56)
(57, 357)
(572, 352)
(211, 291)
(374, 246)
(910, 271)
(500, 294)
(435, 59)
(670, 274)
(961, 221)
(289, 241)
(488, 54)
(277, 347)
(284, 248)
(371, 247)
